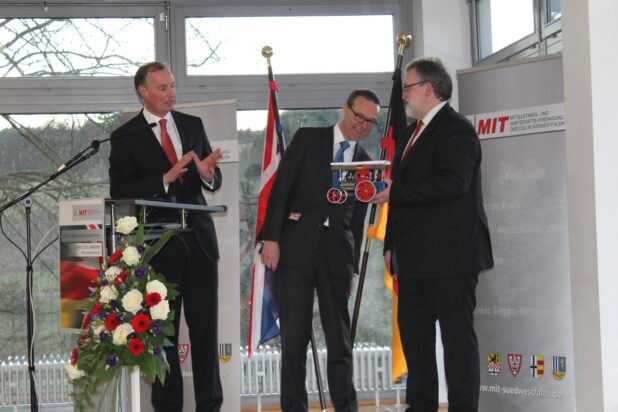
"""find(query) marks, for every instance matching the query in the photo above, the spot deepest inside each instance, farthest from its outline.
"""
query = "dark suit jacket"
(437, 224)
(303, 178)
(137, 163)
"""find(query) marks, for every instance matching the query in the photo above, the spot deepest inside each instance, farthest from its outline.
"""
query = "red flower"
(115, 256)
(136, 346)
(121, 278)
(98, 307)
(152, 299)
(112, 322)
(141, 323)
(86, 321)
(74, 356)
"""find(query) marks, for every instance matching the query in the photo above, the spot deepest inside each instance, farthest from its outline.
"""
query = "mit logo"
(488, 126)
(82, 212)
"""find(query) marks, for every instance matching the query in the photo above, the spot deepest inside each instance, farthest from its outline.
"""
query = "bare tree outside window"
(33, 146)
(74, 47)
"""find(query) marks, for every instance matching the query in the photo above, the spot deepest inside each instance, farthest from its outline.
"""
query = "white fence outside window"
(260, 376)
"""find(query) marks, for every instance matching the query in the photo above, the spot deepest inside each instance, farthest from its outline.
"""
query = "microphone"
(96, 143)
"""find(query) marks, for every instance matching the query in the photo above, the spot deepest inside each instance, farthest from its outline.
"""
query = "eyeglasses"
(362, 119)
(408, 86)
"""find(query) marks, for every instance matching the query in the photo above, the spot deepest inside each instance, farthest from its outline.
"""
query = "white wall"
(590, 61)
(441, 28)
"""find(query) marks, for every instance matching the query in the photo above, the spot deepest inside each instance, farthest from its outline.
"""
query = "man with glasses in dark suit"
(314, 245)
(437, 239)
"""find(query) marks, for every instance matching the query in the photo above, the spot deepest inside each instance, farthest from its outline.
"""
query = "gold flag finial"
(403, 40)
(267, 51)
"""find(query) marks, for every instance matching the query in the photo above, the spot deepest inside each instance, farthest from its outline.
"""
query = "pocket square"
(294, 216)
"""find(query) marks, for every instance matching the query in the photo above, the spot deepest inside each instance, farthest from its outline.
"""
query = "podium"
(140, 208)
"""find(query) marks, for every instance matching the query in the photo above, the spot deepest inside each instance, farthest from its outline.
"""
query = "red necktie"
(415, 134)
(168, 146)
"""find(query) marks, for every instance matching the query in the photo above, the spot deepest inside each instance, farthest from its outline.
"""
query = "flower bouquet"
(127, 321)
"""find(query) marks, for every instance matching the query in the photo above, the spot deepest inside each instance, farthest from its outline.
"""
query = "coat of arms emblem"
(514, 363)
(183, 351)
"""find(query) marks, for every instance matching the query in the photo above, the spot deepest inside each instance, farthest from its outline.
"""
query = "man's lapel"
(182, 133)
(327, 141)
(425, 134)
(150, 141)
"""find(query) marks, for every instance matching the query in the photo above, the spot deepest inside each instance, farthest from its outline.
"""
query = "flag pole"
(403, 40)
(267, 52)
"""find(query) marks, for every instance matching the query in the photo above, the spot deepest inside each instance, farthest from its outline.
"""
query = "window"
(504, 22)
(81, 47)
(553, 10)
(31, 149)
(66, 70)
(319, 44)
(515, 29)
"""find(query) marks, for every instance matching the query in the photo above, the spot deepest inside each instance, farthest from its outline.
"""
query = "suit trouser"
(451, 301)
(295, 295)
(183, 262)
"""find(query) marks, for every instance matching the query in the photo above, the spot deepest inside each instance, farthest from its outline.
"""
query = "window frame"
(98, 94)
(535, 42)
(296, 90)
(87, 94)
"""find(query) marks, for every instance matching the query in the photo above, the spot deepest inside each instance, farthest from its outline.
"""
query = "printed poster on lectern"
(81, 254)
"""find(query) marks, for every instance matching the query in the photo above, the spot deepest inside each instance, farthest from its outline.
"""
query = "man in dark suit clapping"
(437, 239)
(314, 245)
(173, 160)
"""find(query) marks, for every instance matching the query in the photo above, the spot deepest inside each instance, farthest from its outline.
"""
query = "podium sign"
(82, 240)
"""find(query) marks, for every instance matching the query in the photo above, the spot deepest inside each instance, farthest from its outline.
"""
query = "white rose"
(132, 301)
(130, 256)
(158, 287)
(160, 310)
(108, 293)
(73, 372)
(112, 272)
(126, 225)
(99, 329)
(121, 332)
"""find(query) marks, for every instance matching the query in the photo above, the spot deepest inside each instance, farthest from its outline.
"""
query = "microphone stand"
(65, 167)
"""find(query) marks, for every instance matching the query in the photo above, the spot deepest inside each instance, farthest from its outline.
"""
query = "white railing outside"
(372, 370)
(260, 375)
(51, 382)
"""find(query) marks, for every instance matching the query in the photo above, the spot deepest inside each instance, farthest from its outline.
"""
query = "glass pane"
(31, 149)
(315, 44)
(503, 22)
(553, 10)
(374, 322)
(81, 47)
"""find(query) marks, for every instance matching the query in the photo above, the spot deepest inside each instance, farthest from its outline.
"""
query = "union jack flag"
(264, 313)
